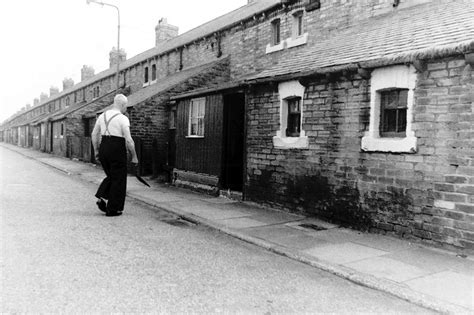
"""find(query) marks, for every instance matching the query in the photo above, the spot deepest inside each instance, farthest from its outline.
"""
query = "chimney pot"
(43, 97)
(53, 91)
(87, 72)
(68, 83)
(116, 56)
(164, 31)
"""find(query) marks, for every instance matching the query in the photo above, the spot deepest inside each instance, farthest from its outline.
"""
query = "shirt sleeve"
(126, 121)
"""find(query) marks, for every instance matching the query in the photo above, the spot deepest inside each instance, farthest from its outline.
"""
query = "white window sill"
(153, 82)
(394, 145)
(194, 137)
(273, 48)
(301, 142)
(146, 84)
(298, 41)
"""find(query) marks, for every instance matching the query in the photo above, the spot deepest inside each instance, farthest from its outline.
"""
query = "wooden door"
(233, 146)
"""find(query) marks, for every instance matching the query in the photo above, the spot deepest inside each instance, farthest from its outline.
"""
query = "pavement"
(437, 279)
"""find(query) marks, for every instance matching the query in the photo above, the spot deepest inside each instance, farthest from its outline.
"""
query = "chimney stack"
(43, 97)
(86, 72)
(36, 101)
(67, 83)
(28, 106)
(116, 56)
(53, 91)
(164, 31)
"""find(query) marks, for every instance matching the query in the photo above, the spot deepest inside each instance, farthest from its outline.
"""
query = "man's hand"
(135, 161)
(96, 157)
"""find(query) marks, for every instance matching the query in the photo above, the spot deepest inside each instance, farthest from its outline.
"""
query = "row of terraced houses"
(356, 111)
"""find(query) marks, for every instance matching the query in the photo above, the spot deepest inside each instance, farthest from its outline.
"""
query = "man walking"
(111, 139)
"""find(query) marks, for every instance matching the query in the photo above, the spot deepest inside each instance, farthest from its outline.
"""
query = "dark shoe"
(113, 213)
(102, 205)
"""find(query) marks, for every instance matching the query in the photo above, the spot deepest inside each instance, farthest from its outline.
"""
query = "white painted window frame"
(281, 141)
(393, 77)
(200, 100)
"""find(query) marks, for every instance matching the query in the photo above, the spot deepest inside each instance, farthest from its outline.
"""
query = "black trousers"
(113, 157)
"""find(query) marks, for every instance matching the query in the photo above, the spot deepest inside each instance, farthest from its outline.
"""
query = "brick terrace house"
(356, 111)
(371, 123)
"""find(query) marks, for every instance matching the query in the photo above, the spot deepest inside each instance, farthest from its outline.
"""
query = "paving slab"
(449, 286)
(301, 242)
(157, 197)
(434, 261)
(278, 218)
(241, 223)
(219, 214)
(383, 242)
(388, 268)
(336, 235)
(272, 232)
(344, 253)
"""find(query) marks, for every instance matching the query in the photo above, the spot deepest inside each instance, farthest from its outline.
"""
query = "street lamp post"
(118, 35)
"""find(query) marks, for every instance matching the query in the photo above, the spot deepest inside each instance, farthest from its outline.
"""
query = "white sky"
(45, 41)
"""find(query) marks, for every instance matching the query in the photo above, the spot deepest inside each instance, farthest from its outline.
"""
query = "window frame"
(298, 24)
(276, 32)
(383, 79)
(383, 113)
(145, 75)
(201, 114)
(288, 91)
(289, 101)
(153, 73)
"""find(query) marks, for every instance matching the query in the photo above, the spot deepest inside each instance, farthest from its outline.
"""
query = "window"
(62, 129)
(67, 101)
(83, 94)
(75, 97)
(391, 110)
(294, 117)
(146, 75)
(172, 118)
(95, 92)
(297, 24)
(291, 134)
(276, 32)
(196, 117)
(153, 72)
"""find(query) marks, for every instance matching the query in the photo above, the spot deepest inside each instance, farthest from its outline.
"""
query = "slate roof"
(213, 68)
(193, 77)
(422, 31)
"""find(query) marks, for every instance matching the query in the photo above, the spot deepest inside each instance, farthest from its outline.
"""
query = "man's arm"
(130, 144)
(95, 137)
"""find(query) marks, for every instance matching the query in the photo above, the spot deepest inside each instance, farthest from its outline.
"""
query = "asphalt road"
(60, 254)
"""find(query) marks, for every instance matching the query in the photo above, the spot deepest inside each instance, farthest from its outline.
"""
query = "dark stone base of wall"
(198, 182)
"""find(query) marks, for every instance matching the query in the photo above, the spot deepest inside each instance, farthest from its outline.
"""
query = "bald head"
(120, 102)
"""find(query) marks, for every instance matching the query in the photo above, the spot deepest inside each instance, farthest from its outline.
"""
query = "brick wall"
(428, 195)
(149, 127)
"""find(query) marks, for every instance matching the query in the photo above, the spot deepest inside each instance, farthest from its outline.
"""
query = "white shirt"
(116, 125)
